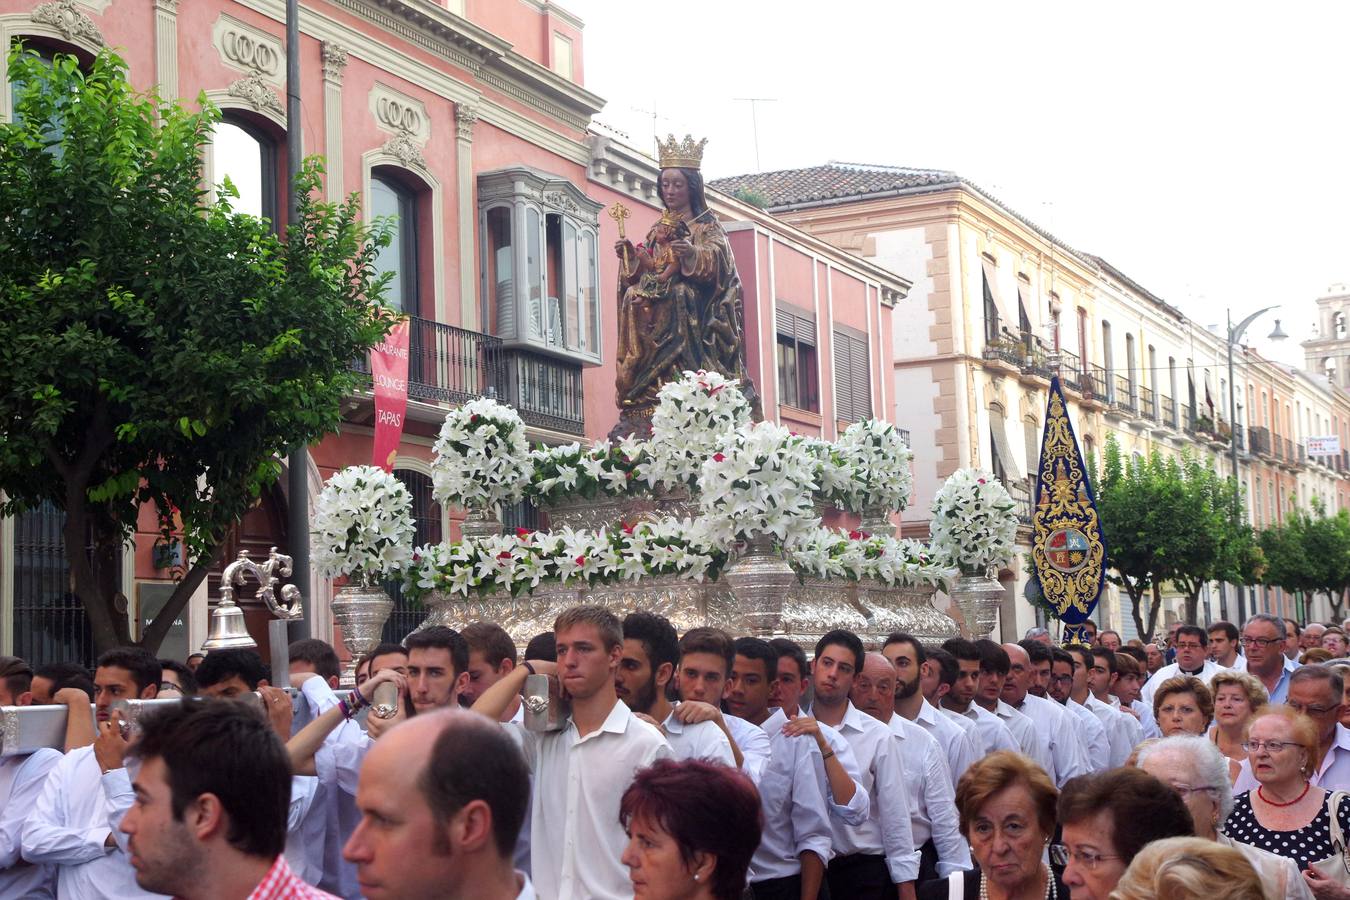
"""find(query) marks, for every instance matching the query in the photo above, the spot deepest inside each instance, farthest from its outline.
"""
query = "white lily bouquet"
(481, 457)
(559, 473)
(825, 553)
(759, 483)
(974, 523)
(694, 415)
(879, 460)
(363, 526)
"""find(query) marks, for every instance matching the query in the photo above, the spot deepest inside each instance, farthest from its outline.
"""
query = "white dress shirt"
(1096, 742)
(932, 802)
(961, 749)
(1118, 734)
(701, 740)
(526, 889)
(1172, 670)
(575, 836)
(1024, 732)
(78, 809)
(1147, 722)
(21, 781)
(1333, 773)
(333, 804)
(1060, 733)
(993, 734)
(886, 831)
(855, 811)
(795, 808)
(1239, 663)
(753, 743)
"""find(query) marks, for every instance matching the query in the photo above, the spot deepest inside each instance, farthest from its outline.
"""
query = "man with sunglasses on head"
(21, 780)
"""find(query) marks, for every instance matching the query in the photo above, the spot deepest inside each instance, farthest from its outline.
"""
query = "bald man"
(442, 797)
(932, 801)
(1051, 720)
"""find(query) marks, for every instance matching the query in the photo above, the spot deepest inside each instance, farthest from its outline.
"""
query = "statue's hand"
(683, 249)
(624, 248)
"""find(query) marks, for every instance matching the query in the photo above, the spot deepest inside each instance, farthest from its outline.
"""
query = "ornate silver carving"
(480, 523)
(361, 611)
(266, 574)
(815, 606)
(253, 90)
(402, 148)
(9, 727)
(466, 115)
(602, 512)
(66, 17)
(977, 597)
(760, 579)
(876, 520)
(334, 58)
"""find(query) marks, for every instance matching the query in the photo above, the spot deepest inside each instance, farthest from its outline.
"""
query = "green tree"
(158, 348)
(1309, 553)
(1128, 493)
(1213, 540)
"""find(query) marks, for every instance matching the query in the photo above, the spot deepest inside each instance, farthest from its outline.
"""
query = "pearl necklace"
(1051, 892)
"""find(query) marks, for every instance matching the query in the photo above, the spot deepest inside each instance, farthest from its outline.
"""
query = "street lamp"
(1235, 333)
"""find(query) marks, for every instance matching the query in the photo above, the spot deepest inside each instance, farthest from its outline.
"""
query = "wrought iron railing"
(546, 391)
(1259, 439)
(1147, 408)
(1123, 397)
(1095, 381)
(1168, 411)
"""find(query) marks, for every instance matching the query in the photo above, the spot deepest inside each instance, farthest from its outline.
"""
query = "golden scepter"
(618, 213)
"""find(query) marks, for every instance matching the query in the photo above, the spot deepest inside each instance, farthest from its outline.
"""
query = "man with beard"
(936, 681)
(960, 700)
(1091, 733)
(994, 668)
(650, 653)
(1051, 721)
(932, 802)
(878, 858)
(910, 659)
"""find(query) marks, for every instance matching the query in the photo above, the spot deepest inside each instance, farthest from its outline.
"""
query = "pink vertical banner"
(389, 373)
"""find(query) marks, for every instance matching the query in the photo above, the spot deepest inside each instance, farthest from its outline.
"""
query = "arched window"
(391, 199)
(248, 154)
(426, 516)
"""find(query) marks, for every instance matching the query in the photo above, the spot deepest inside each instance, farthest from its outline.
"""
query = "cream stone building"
(999, 305)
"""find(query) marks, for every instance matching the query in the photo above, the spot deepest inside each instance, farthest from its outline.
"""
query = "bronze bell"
(227, 630)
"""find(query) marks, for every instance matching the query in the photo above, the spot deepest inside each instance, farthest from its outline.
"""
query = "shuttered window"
(852, 377)
(796, 349)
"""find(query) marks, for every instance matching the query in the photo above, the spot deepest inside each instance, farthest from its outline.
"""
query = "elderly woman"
(692, 828)
(1189, 869)
(1006, 804)
(1198, 772)
(1183, 705)
(1107, 818)
(1286, 814)
(1237, 697)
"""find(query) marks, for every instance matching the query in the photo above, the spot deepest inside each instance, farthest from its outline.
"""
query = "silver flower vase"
(361, 611)
(877, 521)
(480, 522)
(760, 579)
(977, 596)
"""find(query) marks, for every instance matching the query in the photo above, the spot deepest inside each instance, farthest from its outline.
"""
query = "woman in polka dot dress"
(1286, 815)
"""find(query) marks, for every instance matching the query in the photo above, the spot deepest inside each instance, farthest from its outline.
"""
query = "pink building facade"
(469, 121)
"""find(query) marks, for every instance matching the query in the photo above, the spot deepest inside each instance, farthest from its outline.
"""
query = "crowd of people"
(656, 765)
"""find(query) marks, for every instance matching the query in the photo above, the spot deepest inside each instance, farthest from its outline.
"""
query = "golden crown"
(685, 154)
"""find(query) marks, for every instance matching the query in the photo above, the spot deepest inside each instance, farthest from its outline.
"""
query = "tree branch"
(154, 633)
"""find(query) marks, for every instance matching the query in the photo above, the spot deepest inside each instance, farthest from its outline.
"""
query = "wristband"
(347, 711)
(529, 667)
(356, 699)
(825, 756)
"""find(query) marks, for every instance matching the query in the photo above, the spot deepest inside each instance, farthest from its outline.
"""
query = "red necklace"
(1306, 787)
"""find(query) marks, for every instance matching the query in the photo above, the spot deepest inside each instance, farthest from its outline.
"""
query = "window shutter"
(796, 325)
(852, 378)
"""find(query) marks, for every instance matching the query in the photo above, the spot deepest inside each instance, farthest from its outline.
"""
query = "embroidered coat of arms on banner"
(1067, 548)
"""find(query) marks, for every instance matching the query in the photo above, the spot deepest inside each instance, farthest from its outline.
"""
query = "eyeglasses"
(1259, 642)
(1060, 856)
(1309, 710)
(1272, 746)
(1190, 646)
(1061, 678)
(1185, 791)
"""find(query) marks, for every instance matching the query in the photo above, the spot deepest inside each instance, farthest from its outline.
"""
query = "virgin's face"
(675, 189)
(1006, 838)
(1231, 706)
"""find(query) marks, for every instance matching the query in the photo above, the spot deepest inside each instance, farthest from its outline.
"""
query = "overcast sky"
(1200, 147)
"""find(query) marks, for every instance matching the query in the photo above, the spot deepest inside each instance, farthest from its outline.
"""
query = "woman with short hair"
(1183, 705)
(1189, 869)
(692, 828)
(1237, 697)
(1006, 806)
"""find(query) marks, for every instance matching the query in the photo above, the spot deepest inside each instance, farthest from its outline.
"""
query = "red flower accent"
(981, 481)
(473, 418)
(712, 392)
(718, 457)
(581, 560)
(524, 532)
(857, 535)
(505, 554)
(627, 528)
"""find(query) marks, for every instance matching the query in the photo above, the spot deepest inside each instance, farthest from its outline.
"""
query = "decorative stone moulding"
(67, 17)
(249, 50)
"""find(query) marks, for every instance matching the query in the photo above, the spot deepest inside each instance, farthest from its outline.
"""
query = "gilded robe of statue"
(697, 325)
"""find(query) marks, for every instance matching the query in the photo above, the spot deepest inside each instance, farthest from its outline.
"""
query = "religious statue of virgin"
(680, 300)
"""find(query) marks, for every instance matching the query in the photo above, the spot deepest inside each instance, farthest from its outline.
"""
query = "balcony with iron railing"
(1258, 439)
(1147, 408)
(1167, 412)
(1124, 396)
(450, 365)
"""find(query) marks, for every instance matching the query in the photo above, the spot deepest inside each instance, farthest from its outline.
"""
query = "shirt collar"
(673, 725)
(1342, 737)
(775, 722)
(927, 713)
(617, 722)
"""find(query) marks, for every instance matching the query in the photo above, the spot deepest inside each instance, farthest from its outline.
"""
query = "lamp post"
(1235, 333)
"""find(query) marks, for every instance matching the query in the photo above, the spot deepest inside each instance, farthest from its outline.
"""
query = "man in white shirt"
(703, 678)
(1292, 634)
(959, 702)
(1106, 672)
(581, 771)
(74, 823)
(492, 656)
(651, 650)
(443, 796)
(910, 660)
(995, 666)
(1053, 727)
(932, 802)
(1092, 672)
(937, 680)
(1223, 646)
(21, 780)
(878, 858)
(1091, 734)
(1192, 646)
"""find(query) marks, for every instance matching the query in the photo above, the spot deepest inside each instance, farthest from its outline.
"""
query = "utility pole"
(297, 472)
(754, 120)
